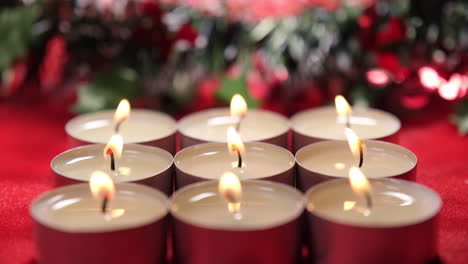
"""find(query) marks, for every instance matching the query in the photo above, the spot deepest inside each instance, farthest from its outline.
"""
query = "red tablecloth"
(32, 135)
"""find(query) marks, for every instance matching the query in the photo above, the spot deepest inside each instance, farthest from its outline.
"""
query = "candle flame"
(122, 112)
(355, 143)
(114, 146)
(358, 181)
(230, 188)
(238, 106)
(234, 142)
(342, 106)
(101, 185)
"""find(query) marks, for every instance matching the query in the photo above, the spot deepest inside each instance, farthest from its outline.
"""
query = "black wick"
(239, 123)
(368, 200)
(348, 121)
(239, 157)
(105, 201)
(117, 126)
(361, 153)
(111, 153)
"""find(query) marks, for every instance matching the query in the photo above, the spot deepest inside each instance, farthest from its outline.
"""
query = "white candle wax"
(211, 125)
(398, 227)
(142, 126)
(323, 123)
(136, 163)
(209, 161)
(394, 203)
(263, 205)
(74, 209)
(334, 158)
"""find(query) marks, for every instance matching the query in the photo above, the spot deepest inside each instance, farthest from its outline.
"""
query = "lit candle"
(230, 187)
(375, 221)
(102, 187)
(329, 123)
(235, 145)
(113, 150)
(135, 163)
(356, 145)
(121, 114)
(328, 160)
(226, 223)
(343, 109)
(73, 225)
(143, 126)
(238, 109)
(256, 125)
(252, 160)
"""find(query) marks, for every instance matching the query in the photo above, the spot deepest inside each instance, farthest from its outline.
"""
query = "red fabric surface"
(32, 135)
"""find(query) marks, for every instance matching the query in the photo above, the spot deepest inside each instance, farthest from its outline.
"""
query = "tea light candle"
(332, 159)
(205, 231)
(208, 161)
(323, 123)
(69, 226)
(138, 163)
(143, 126)
(211, 125)
(400, 226)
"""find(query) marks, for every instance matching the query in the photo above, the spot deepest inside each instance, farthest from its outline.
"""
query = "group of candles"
(235, 199)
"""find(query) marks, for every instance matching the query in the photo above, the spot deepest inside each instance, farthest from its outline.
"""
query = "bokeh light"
(449, 90)
(429, 78)
(378, 77)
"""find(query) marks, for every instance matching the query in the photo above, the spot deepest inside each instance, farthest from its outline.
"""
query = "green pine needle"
(230, 87)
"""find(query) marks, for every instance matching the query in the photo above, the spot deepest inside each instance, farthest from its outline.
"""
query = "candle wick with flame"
(112, 163)
(238, 109)
(229, 186)
(121, 114)
(105, 202)
(235, 145)
(117, 126)
(368, 200)
(360, 185)
(239, 123)
(343, 109)
(361, 153)
(356, 145)
(348, 121)
(239, 156)
(102, 187)
(113, 149)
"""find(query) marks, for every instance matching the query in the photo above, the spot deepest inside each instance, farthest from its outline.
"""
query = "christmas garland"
(186, 56)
